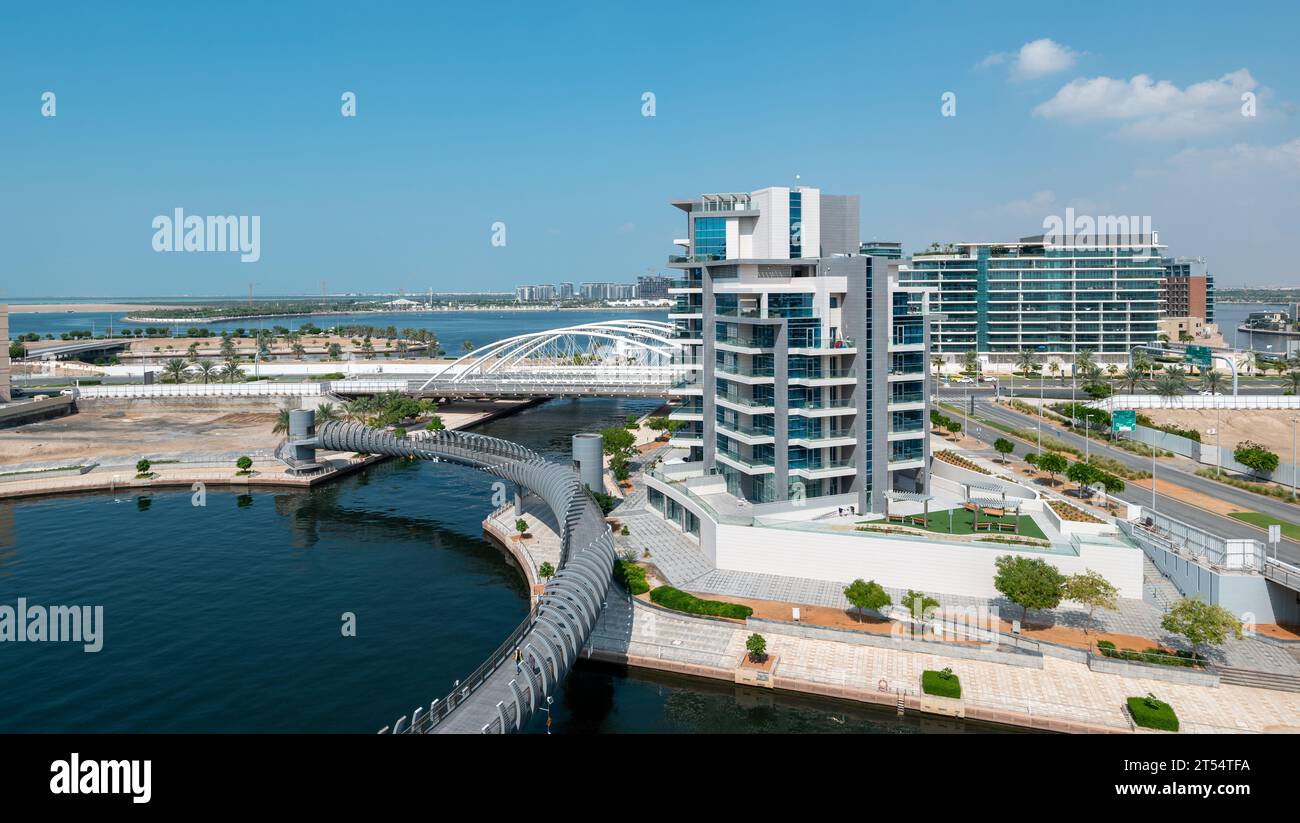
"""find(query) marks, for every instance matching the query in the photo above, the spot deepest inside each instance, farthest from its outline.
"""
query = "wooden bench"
(896, 518)
(994, 512)
(985, 526)
(1007, 527)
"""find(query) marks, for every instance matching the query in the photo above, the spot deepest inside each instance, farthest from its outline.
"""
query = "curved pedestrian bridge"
(500, 696)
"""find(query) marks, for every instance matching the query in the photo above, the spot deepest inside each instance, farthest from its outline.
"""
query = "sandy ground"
(1270, 427)
(61, 308)
(103, 433)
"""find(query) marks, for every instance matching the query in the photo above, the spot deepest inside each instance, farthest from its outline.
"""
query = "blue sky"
(531, 115)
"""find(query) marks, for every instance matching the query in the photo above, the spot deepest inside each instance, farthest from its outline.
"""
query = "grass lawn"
(963, 523)
(1291, 530)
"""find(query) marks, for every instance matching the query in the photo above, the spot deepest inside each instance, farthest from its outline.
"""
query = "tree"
(521, 526)
(1293, 379)
(617, 440)
(1085, 474)
(334, 351)
(1027, 361)
(1029, 583)
(1170, 384)
(971, 362)
(1255, 456)
(281, 422)
(1053, 464)
(1032, 459)
(244, 464)
(435, 424)
(1132, 376)
(1110, 484)
(546, 571)
(936, 363)
(920, 604)
(757, 648)
(327, 413)
(1004, 447)
(1083, 361)
(175, 370)
(142, 467)
(618, 465)
(1092, 590)
(866, 594)
(1200, 622)
(1212, 380)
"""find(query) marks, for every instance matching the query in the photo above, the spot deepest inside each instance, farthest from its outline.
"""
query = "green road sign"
(1124, 420)
(1198, 356)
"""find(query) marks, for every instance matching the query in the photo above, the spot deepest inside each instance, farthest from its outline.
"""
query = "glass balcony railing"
(748, 431)
(749, 402)
(907, 397)
(819, 374)
(747, 342)
(821, 404)
(743, 460)
(746, 371)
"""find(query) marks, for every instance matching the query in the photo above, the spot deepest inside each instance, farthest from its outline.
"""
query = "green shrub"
(1154, 656)
(244, 464)
(606, 502)
(681, 601)
(1255, 456)
(631, 576)
(1152, 713)
(941, 684)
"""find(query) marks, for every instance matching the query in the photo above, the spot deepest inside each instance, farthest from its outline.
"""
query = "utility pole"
(1040, 412)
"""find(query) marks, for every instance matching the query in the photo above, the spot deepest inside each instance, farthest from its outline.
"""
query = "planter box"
(761, 675)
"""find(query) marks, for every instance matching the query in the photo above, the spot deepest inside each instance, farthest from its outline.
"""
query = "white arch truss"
(610, 348)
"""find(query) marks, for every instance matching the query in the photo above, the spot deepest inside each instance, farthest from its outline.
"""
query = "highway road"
(1288, 550)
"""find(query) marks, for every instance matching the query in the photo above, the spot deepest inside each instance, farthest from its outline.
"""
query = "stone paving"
(1061, 689)
(683, 564)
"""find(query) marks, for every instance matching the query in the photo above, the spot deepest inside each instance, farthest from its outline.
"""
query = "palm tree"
(356, 410)
(1055, 366)
(1212, 380)
(1171, 384)
(1143, 363)
(231, 371)
(1111, 371)
(971, 362)
(1132, 376)
(936, 363)
(1083, 361)
(175, 369)
(327, 413)
(207, 369)
(281, 422)
(1293, 378)
(1026, 361)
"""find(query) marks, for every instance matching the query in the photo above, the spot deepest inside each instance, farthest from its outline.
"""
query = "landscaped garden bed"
(1152, 713)
(960, 462)
(1157, 656)
(1071, 513)
(681, 601)
(941, 683)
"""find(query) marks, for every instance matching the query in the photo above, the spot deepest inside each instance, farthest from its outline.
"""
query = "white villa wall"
(961, 569)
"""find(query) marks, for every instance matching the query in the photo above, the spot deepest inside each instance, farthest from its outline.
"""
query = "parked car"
(988, 379)
(1208, 393)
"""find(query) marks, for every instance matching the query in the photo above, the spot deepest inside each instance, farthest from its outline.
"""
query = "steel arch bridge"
(612, 357)
(495, 699)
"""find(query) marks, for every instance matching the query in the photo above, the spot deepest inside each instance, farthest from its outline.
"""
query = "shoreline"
(223, 477)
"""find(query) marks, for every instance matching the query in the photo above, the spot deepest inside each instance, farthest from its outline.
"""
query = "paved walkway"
(680, 561)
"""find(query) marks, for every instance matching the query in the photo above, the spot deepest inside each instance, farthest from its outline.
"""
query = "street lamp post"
(1293, 456)
(1218, 449)
(1153, 475)
(1040, 412)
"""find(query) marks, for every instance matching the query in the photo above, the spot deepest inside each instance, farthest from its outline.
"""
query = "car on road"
(1208, 393)
(963, 379)
(988, 379)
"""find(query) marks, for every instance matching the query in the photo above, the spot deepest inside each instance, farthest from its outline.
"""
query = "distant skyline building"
(652, 287)
(998, 299)
(540, 293)
(812, 378)
(1187, 288)
(881, 248)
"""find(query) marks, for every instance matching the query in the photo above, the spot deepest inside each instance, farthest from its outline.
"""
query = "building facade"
(652, 287)
(6, 390)
(811, 378)
(541, 293)
(998, 299)
(1187, 288)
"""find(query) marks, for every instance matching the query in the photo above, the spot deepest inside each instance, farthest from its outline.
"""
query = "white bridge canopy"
(614, 352)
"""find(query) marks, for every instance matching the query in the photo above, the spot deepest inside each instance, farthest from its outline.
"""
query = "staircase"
(1158, 589)
(1259, 680)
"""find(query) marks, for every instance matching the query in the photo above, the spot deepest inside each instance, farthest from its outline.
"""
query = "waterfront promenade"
(1053, 693)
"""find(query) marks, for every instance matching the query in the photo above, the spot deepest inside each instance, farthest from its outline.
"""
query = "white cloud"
(1035, 59)
(1243, 159)
(1027, 213)
(1147, 108)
